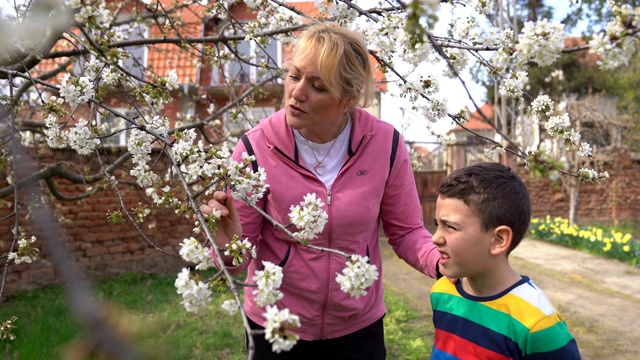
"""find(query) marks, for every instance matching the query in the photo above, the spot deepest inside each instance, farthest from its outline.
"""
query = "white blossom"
(56, 138)
(239, 250)
(82, 139)
(277, 325)
(505, 39)
(76, 90)
(195, 293)
(139, 145)
(494, 151)
(542, 104)
(612, 54)
(585, 174)
(6, 329)
(93, 14)
(484, 7)
(25, 253)
(541, 42)
(514, 84)
(458, 60)
(111, 75)
(308, 217)
(191, 250)
(557, 125)
(437, 109)
(244, 181)
(231, 307)
(184, 147)
(585, 150)
(464, 28)
(268, 281)
(357, 276)
(172, 80)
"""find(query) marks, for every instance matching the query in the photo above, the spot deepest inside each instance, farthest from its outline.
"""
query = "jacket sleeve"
(251, 220)
(401, 215)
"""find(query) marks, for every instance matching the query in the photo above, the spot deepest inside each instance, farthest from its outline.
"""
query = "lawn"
(148, 310)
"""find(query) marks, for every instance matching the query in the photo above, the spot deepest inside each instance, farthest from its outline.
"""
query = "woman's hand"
(229, 223)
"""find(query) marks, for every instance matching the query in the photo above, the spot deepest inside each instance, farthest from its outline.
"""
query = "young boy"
(490, 312)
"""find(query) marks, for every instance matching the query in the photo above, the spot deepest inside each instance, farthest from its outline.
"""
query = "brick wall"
(102, 249)
(616, 199)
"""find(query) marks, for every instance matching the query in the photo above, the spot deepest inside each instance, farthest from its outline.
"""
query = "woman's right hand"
(229, 223)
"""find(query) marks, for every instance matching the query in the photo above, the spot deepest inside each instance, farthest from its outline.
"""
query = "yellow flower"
(626, 248)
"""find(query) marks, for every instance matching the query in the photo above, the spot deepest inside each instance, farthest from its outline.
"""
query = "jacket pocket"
(284, 260)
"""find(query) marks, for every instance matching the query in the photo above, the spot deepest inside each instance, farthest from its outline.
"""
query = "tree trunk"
(574, 192)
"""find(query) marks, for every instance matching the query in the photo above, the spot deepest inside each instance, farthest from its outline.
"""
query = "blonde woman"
(322, 142)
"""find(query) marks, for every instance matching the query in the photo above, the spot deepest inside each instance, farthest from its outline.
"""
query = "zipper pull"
(328, 197)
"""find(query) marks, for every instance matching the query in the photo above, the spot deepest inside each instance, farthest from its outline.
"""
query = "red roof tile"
(587, 57)
(476, 121)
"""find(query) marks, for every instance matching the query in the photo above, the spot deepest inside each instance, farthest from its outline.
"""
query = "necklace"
(320, 168)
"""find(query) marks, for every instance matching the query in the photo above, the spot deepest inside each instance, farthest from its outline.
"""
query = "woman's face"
(310, 108)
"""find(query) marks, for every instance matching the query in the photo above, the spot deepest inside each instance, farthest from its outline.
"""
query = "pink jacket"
(364, 194)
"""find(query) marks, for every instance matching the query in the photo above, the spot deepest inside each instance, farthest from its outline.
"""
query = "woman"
(323, 143)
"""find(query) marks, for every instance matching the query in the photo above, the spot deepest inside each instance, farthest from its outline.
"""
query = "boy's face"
(464, 248)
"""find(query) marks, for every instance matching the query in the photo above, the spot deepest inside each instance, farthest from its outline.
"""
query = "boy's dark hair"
(495, 193)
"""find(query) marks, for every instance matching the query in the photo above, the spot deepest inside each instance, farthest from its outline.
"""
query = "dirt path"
(599, 298)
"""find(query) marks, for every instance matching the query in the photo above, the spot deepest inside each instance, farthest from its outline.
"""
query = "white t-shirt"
(330, 166)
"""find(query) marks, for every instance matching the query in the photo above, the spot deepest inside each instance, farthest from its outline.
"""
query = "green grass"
(148, 310)
(408, 333)
(617, 243)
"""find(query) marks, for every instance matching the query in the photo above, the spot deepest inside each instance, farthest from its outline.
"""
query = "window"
(244, 71)
(137, 62)
(115, 126)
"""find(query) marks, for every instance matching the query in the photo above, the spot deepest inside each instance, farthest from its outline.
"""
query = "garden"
(147, 309)
(619, 243)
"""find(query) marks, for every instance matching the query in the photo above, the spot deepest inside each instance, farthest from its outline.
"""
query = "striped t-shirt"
(519, 323)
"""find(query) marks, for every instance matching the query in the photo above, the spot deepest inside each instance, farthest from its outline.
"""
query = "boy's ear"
(502, 236)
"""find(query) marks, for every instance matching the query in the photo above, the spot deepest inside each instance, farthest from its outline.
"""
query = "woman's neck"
(322, 137)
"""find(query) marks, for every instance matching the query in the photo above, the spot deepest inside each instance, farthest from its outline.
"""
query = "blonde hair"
(342, 59)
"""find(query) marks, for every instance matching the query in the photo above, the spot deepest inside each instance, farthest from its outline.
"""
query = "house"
(102, 248)
(207, 78)
(467, 146)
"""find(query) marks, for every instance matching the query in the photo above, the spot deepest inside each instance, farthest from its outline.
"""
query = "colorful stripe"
(521, 322)
(451, 346)
(477, 337)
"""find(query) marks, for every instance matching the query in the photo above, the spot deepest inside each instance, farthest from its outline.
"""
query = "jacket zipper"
(328, 274)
